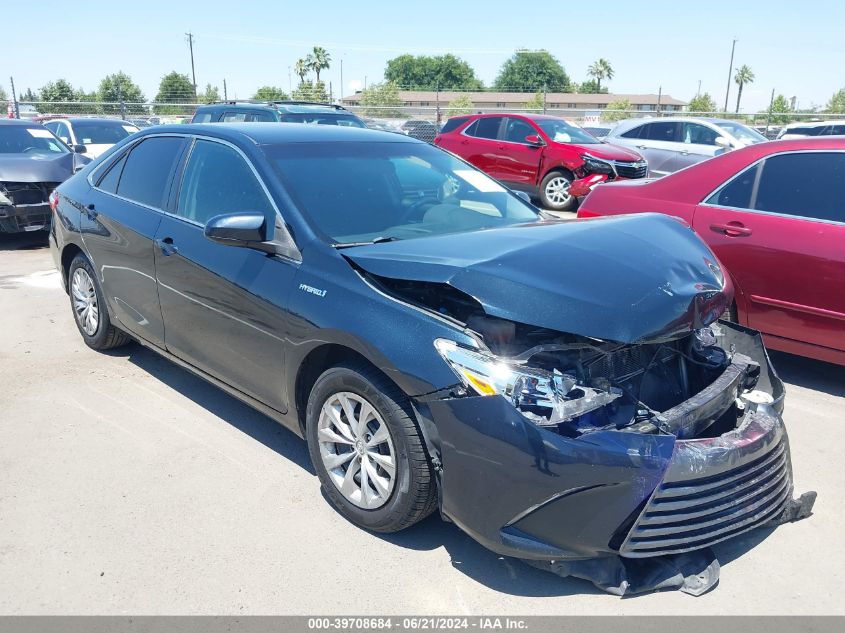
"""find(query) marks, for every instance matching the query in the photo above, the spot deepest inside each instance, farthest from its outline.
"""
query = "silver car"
(670, 144)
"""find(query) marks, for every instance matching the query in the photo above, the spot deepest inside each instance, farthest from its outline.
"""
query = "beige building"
(517, 100)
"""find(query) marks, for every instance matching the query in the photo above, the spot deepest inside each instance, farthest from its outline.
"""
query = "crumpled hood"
(38, 167)
(630, 279)
(608, 151)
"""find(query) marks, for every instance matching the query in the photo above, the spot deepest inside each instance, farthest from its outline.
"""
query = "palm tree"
(320, 60)
(599, 70)
(744, 75)
(302, 67)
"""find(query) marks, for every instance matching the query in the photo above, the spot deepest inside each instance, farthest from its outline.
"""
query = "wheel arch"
(69, 252)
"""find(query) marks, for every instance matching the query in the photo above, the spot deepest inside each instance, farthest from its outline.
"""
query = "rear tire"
(554, 191)
(90, 312)
(359, 421)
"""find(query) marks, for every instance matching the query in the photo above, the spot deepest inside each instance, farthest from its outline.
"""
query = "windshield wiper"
(378, 240)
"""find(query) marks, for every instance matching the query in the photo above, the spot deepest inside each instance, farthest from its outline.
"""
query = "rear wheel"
(367, 450)
(89, 307)
(554, 191)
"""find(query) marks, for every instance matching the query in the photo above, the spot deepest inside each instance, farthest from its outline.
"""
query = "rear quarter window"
(453, 124)
(202, 117)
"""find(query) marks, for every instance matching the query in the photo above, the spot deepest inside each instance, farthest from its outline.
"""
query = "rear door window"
(233, 117)
(202, 117)
(804, 184)
(487, 127)
(663, 131)
(146, 173)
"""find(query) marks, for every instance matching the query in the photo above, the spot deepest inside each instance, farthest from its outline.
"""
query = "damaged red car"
(543, 156)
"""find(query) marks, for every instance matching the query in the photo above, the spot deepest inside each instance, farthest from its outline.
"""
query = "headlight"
(557, 397)
(593, 165)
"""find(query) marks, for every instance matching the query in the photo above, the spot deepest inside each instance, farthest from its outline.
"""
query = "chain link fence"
(422, 122)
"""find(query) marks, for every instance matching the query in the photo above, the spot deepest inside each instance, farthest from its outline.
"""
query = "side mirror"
(523, 196)
(533, 139)
(247, 230)
(80, 149)
(721, 141)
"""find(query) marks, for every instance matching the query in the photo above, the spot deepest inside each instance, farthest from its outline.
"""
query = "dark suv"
(276, 112)
(559, 389)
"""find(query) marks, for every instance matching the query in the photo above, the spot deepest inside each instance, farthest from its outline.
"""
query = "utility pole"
(769, 117)
(341, 81)
(190, 37)
(544, 98)
(698, 92)
(225, 94)
(15, 110)
(659, 99)
(730, 72)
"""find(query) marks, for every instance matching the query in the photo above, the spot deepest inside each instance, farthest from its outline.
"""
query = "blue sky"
(797, 50)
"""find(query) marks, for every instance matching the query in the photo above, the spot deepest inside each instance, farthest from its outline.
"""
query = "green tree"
(311, 91)
(209, 95)
(28, 95)
(836, 105)
(174, 88)
(535, 103)
(615, 110)
(382, 100)
(3, 98)
(702, 103)
(59, 90)
(425, 72)
(302, 67)
(270, 93)
(600, 69)
(532, 70)
(460, 105)
(319, 60)
(117, 88)
(781, 110)
(744, 75)
(591, 86)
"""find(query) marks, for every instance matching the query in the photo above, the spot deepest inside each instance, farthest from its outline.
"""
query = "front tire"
(89, 307)
(367, 450)
(554, 191)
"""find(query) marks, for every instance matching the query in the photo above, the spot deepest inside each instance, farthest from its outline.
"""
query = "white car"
(97, 135)
(672, 143)
(811, 128)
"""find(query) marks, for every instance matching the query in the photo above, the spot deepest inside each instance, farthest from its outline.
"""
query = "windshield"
(562, 132)
(323, 119)
(102, 133)
(17, 139)
(360, 192)
(741, 132)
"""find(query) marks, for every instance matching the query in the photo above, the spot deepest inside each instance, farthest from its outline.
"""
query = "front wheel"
(367, 450)
(554, 191)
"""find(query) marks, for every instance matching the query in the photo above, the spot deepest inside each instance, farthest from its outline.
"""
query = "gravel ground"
(128, 485)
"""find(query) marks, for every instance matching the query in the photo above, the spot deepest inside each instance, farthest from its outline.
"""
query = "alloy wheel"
(84, 296)
(357, 450)
(557, 191)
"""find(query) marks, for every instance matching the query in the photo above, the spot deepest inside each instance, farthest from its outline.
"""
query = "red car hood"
(605, 151)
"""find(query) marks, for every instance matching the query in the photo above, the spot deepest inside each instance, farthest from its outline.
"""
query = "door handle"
(465, 142)
(641, 147)
(685, 153)
(732, 229)
(167, 247)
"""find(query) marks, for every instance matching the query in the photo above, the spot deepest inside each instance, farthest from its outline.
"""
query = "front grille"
(694, 513)
(28, 192)
(631, 170)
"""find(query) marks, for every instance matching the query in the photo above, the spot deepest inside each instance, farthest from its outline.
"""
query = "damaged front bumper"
(24, 217)
(528, 492)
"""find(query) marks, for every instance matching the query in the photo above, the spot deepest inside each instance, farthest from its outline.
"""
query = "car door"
(224, 307)
(518, 161)
(779, 228)
(480, 144)
(699, 143)
(121, 215)
(657, 141)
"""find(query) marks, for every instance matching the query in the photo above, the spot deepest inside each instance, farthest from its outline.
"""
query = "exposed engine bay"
(693, 386)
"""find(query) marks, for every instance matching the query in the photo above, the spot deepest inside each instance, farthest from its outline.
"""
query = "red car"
(774, 214)
(543, 156)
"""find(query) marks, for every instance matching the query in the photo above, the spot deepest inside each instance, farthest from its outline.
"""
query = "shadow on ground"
(809, 373)
(23, 241)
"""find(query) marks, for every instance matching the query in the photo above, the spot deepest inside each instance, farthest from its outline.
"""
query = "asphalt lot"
(128, 486)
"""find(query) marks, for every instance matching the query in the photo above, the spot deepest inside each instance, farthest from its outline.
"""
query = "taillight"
(585, 213)
(54, 201)
(437, 139)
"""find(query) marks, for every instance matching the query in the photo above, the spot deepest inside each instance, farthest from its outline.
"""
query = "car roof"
(87, 119)
(813, 123)
(277, 106)
(263, 134)
(20, 122)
